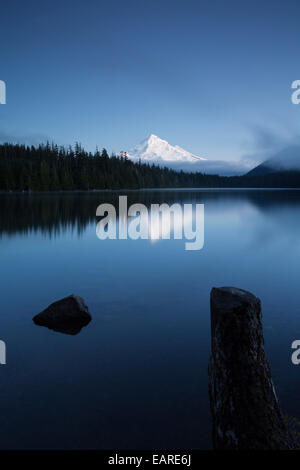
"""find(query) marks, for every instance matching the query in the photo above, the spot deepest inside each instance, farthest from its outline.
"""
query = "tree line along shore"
(51, 168)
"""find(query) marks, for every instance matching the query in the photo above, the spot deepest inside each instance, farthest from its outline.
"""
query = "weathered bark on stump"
(244, 406)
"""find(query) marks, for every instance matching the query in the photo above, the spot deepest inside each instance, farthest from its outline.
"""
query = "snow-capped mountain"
(156, 149)
(160, 152)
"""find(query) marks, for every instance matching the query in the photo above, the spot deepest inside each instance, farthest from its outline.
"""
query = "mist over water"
(136, 376)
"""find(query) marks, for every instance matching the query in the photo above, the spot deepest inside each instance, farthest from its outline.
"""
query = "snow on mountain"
(160, 152)
(155, 149)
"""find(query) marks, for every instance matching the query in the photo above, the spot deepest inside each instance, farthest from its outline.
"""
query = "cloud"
(212, 167)
(265, 139)
(287, 159)
(265, 142)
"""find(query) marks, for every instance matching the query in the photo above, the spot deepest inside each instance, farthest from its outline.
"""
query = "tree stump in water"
(244, 406)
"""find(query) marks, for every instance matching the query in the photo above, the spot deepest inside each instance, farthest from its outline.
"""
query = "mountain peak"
(153, 148)
(154, 138)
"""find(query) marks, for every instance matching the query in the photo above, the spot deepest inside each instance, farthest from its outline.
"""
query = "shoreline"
(88, 191)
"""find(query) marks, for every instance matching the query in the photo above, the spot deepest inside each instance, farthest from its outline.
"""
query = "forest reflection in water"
(54, 213)
(143, 359)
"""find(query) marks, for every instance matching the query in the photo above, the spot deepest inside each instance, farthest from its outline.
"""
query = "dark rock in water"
(245, 410)
(68, 315)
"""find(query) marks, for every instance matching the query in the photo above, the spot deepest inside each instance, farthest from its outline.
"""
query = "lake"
(136, 376)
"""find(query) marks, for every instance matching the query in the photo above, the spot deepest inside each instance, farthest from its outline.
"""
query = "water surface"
(136, 376)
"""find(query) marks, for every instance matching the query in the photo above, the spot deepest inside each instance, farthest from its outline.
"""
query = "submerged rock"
(68, 315)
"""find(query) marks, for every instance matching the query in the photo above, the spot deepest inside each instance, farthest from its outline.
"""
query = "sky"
(211, 76)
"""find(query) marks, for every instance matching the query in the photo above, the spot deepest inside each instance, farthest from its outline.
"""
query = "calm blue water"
(136, 376)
